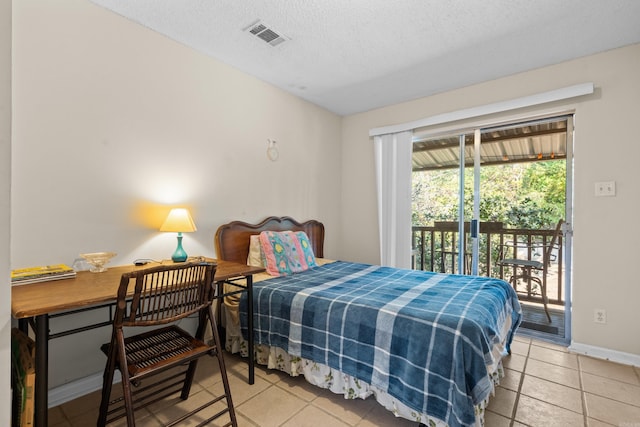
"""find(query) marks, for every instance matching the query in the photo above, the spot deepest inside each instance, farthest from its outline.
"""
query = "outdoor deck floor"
(536, 324)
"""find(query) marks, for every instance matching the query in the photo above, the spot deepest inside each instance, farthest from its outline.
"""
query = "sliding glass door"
(483, 195)
(446, 192)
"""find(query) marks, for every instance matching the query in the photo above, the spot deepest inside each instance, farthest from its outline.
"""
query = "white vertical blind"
(393, 179)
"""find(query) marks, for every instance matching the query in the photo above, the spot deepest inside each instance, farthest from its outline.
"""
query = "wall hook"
(272, 150)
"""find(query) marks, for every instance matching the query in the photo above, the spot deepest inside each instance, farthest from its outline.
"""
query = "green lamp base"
(179, 255)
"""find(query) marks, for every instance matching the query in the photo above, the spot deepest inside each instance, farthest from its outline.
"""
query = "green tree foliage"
(521, 195)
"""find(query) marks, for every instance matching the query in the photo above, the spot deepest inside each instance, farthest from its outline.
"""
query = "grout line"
(244, 419)
(524, 368)
(583, 394)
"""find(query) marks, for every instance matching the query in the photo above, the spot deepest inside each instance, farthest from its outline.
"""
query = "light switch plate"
(605, 189)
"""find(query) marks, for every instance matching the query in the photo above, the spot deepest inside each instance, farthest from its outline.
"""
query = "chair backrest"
(548, 251)
(163, 294)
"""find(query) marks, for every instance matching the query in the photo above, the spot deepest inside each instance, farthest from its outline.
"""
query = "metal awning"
(529, 142)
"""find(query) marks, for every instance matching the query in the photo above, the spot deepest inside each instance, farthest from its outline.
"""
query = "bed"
(426, 346)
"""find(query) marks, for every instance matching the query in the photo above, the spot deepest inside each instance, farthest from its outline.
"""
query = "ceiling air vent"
(260, 30)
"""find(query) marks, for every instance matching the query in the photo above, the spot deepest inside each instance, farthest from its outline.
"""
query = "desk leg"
(250, 328)
(23, 325)
(222, 333)
(42, 372)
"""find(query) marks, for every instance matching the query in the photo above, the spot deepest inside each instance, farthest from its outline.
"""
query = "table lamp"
(179, 220)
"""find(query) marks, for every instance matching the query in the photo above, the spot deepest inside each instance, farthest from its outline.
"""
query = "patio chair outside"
(527, 271)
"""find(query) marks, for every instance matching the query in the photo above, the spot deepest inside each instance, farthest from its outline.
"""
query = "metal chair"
(162, 361)
(528, 270)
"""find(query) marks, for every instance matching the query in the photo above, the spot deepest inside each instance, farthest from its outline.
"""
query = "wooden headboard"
(232, 239)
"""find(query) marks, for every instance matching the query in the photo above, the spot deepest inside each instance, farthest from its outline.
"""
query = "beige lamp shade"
(179, 220)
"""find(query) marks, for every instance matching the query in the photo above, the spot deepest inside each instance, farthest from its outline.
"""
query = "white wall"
(606, 148)
(114, 124)
(5, 209)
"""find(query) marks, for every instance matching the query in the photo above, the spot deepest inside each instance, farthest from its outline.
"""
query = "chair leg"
(126, 383)
(107, 384)
(543, 293)
(546, 309)
(545, 298)
(191, 371)
(527, 276)
(223, 369)
(188, 381)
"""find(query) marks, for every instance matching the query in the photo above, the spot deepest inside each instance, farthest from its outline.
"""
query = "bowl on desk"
(98, 260)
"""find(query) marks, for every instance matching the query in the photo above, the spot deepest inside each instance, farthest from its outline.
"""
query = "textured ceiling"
(354, 56)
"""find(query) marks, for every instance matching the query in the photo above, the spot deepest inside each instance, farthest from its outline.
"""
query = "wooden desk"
(36, 302)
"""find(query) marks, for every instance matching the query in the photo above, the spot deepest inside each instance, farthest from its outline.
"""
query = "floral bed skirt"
(326, 377)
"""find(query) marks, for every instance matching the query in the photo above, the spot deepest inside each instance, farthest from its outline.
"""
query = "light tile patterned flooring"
(544, 386)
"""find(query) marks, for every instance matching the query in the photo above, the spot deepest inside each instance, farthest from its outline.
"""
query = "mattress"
(428, 346)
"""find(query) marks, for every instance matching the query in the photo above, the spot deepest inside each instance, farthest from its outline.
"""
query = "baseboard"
(86, 385)
(77, 388)
(605, 353)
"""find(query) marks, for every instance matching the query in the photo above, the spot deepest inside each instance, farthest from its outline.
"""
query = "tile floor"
(544, 386)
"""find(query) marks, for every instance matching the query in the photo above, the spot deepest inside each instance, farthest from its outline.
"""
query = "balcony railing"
(435, 248)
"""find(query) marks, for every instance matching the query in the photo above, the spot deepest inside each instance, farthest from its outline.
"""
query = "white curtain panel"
(393, 178)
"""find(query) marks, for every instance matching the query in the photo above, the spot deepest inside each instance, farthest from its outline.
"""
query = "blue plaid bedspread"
(425, 338)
